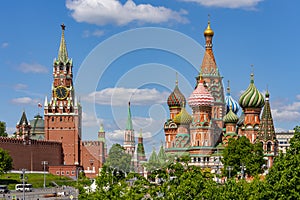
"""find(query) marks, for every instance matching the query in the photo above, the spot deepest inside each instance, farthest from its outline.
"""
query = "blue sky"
(259, 32)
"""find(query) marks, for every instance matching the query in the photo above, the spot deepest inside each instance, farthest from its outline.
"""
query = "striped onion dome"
(183, 117)
(231, 102)
(252, 98)
(230, 117)
(176, 98)
(201, 96)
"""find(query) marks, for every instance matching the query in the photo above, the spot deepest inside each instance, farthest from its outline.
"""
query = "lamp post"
(23, 181)
(229, 168)
(78, 170)
(44, 163)
(243, 168)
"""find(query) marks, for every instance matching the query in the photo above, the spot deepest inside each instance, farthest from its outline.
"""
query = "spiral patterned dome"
(230, 117)
(252, 98)
(201, 96)
(231, 102)
(183, 117)
(176, 98)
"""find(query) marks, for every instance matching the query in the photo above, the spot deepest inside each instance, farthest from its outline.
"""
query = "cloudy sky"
(129, 50)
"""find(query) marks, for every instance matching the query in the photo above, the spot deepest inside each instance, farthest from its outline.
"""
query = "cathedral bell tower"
(63, 112)
(212, 77)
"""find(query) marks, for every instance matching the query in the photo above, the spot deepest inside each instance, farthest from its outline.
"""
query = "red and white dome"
(201, 96)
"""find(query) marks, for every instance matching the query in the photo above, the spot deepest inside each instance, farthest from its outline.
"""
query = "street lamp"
(23, 181)
(243, 168)
(44, 163)
(229, 168)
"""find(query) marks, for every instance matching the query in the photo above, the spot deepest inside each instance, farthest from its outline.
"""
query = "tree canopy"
(3, 132)
(284, 177)
(118, 159)
(180, 181)
(241, 152)
(5, 161)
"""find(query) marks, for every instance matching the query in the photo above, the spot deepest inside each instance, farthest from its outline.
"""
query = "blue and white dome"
(231, 102)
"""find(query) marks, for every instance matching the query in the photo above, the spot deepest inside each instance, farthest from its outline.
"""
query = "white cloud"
(117, 136)
(96, 33)
(121, 96)
(286, 112)
(20, 86)
(89, 120)
(10, 130)
(4, 45)
(227, 3)
(25, 101)
(102, 12)
(32, 68)
(285, 115)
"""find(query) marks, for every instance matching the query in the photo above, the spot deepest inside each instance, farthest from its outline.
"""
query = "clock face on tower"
(61, 92)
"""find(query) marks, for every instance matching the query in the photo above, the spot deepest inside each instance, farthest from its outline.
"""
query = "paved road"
(39, 193)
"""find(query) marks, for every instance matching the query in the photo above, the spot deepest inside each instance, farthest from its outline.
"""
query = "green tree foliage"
(3, 129)
(118, 159)
(242, 152)
(5, 161)
(284, 177)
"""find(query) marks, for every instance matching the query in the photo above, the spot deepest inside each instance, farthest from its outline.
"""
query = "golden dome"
(208, 31)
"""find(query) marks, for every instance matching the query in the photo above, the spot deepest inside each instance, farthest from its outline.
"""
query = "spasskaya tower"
(63, 112)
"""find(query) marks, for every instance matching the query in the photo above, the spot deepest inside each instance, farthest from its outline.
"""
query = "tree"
(5, 161)
(283, 178)
(3, 129)
(118, 159)
(241, 152)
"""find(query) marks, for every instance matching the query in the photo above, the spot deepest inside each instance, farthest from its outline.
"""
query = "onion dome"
(230, 102)
(208, 31)
(201, 96)
(183, 117)
(176, 98)
(252, 98)
(230, 117)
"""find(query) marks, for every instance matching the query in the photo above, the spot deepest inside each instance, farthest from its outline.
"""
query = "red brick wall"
(64, 129)
(64, 170)
(92, 157)
(30, 156)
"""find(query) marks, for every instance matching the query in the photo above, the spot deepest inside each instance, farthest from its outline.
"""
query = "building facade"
(214, 119)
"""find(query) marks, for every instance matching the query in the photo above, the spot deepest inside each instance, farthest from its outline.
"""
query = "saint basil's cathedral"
(214, 120)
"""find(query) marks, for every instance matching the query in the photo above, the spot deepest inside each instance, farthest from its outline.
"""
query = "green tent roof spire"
(62, 52)
(129, 120)
(101, 130)
(153, 157)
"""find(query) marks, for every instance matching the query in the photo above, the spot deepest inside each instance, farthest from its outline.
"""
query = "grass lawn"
(37, 180)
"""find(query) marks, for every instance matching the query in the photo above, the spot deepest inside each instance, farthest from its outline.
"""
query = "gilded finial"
(200, 77)
(252, 73)
(176, 79)
(228, 87)
(267, 93)
(141, 133)
(208, 31)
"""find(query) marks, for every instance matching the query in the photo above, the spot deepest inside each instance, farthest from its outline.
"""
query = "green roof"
(129, 120)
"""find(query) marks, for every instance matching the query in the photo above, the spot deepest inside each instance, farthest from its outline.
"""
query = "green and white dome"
(252, 98)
